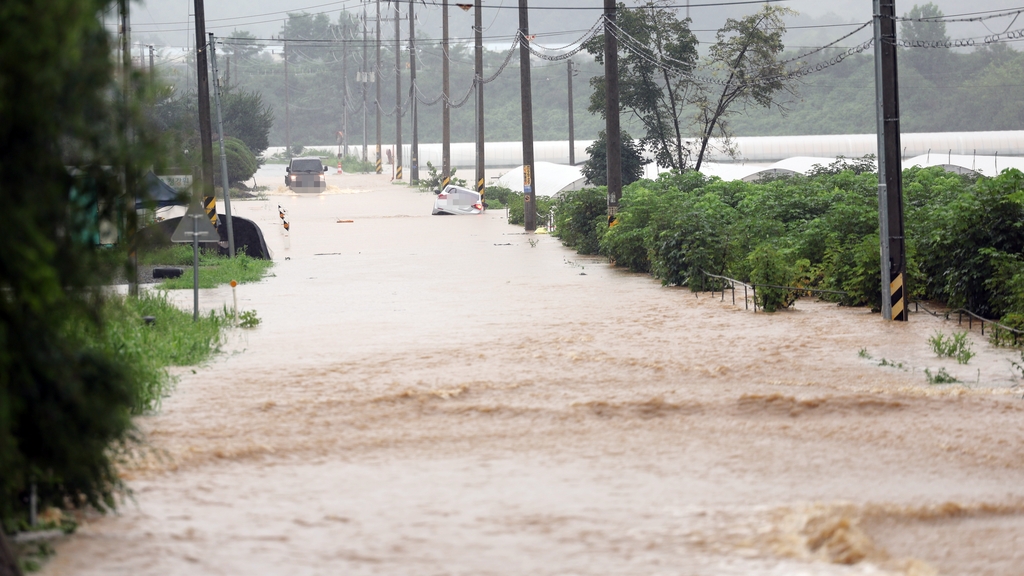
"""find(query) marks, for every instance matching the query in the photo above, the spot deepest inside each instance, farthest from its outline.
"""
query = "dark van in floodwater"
(306, 175)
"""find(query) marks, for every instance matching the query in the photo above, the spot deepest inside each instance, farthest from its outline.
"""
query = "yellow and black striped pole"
(398, 172)
(480, 189)
(445, 181)
(380, 166)
(897, 296)
(210, 205)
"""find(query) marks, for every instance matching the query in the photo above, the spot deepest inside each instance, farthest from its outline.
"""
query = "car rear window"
(306, 166)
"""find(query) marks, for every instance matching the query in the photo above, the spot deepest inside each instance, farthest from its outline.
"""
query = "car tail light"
(442, 196)
(478, 206)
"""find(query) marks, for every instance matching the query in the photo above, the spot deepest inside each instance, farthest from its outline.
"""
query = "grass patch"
(173, 339)
(940, 377)
(956, 346)
(215, 270)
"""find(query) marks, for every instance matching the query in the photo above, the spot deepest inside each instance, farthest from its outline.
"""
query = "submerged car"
(306, 175)
(456, 200)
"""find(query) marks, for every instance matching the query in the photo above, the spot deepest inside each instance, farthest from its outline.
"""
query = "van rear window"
(306, 166)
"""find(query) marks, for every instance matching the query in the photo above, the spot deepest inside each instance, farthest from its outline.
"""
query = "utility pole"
(287, 108)
(446, 114)
(526, 97)
(364, 81)
(572, 129)
(890, 183)
(344, 88)
(205, 130)
(398, 94)
(151, 60)
(613, 135)
(227, 72)
(414, 153)
(478, 28)
(223, 151)
(377, 79)
(127, 179)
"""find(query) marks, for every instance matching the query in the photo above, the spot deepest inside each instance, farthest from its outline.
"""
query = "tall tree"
(746, 66)
(658, 56)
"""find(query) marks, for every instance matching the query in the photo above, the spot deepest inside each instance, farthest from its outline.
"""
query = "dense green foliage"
(595, 169)
(240, 160)
(75, 362)
(64, 406)
(965, 237)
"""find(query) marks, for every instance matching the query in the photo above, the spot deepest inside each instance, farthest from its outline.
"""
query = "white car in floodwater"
(457, 200)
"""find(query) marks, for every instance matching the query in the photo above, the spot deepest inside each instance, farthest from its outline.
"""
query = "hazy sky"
(168, 23)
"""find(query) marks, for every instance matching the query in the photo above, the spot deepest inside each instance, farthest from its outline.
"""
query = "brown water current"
(436, 395)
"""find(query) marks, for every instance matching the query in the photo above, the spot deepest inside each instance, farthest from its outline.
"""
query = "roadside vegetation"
(964, 237)
(214, 269)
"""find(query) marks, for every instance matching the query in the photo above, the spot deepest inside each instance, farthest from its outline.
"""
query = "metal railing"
(1018, 334)
(753, 289)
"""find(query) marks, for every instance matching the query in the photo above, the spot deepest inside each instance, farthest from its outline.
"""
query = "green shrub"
(215, 270)
(240, 160)
(581, 218)
(771, 266)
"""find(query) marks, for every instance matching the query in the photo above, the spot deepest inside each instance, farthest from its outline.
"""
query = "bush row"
(964, 235)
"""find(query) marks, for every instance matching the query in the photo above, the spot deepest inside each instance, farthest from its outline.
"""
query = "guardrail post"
(746, 302)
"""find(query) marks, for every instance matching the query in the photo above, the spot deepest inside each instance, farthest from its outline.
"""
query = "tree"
(247, 118)
(241, 162)
(744, 62)
(64, 407)
(241, 44)
(923, 27)
(655, 95)
(595, 169)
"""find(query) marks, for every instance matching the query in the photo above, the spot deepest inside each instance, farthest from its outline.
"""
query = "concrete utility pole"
(344, 88)
(526, 97)
(446, 114)
(223, 151)
(377, 106)
(363, 80)
(572, 129)
(398, 94)
(205, 130)
(127, 179)
(613, 135)
(414, 153)
(478, 29)
(890, 182)
(287, 108)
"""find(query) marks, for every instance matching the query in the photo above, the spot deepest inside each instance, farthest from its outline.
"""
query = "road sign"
(202, 228)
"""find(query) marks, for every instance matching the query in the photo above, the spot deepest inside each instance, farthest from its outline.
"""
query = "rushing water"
(448, 395)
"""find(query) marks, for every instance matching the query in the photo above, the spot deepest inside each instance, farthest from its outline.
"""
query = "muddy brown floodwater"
(447, 395)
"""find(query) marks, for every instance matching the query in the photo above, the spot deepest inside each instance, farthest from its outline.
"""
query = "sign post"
(193, 226)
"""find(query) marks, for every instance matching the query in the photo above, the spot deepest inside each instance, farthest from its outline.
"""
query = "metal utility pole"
(223, 152)
(572, 129)
(890, 183)
(287, 108)
(446, 114)
(414, 153)
(398, 94)
(151, 60)
(377, 78)
(526, 96)
(478, 28)
(613, 135)
(205, 130)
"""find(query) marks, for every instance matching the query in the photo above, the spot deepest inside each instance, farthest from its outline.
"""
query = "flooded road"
(447, 395)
